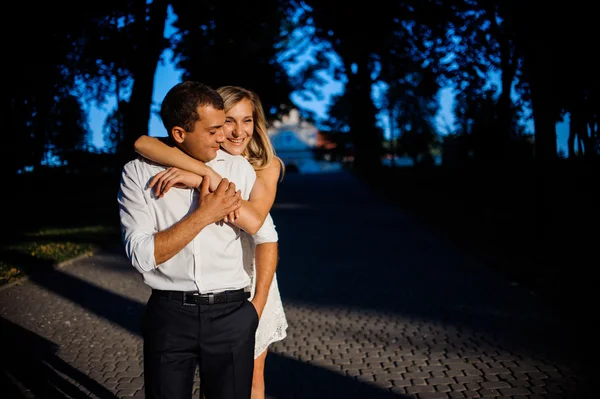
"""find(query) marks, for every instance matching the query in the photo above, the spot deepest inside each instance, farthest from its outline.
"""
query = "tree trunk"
(366, 136)
(544, 116)
(149, 45)
(571, 139)
(508, 69)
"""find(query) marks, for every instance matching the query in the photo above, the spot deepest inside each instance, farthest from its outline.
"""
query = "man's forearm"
(169, 242)
(266, 258)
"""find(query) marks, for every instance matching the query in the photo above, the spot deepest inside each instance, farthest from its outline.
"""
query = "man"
(198, 312)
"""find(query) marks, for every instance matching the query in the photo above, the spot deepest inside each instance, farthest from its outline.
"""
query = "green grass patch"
(35, 250)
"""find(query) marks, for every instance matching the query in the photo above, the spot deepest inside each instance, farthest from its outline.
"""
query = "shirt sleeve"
(137, 225)
(238, 170)
(267, 232)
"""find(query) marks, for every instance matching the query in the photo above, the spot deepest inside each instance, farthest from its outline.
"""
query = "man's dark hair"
(179, 107)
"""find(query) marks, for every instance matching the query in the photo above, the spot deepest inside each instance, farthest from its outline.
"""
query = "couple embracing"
(195, 223)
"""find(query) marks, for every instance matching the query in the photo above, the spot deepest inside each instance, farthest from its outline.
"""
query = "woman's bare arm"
(160, 152)
(252, 213)
(263, 193)
(266, 254)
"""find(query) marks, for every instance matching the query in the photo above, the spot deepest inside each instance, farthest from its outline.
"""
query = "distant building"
(294, 140)
(333, 146)
(300, 145)
(292, 134)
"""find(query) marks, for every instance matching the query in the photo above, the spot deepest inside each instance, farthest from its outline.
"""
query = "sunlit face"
(239, 127)
(203, 142)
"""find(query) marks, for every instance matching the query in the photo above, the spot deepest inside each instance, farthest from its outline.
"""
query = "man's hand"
(221, 202)
(173, 177)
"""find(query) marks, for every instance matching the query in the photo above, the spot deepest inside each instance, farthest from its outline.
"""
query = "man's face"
(203, 142)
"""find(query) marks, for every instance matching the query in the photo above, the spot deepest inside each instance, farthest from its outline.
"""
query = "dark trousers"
(219, 338)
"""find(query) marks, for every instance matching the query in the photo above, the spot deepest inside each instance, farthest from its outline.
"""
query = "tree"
(59, 57)
(220, 44)
(148, 45)
(400, 34)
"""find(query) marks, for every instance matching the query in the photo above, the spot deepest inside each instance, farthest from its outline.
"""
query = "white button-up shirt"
(213, 260)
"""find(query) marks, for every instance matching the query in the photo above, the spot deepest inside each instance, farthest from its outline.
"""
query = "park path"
(378, 306)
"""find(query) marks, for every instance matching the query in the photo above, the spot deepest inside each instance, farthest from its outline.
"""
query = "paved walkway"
(378, 307)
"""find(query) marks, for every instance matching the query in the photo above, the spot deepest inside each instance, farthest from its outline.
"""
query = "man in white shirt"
(198, 313)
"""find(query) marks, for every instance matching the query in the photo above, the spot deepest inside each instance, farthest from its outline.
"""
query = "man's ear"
(178, 134)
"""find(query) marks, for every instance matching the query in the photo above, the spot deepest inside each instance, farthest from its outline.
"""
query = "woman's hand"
(232, 217)
(173, 177)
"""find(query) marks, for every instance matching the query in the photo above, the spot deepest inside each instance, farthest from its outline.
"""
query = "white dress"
(273, 323)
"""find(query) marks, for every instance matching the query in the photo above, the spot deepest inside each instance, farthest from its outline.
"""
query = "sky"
(167, 76)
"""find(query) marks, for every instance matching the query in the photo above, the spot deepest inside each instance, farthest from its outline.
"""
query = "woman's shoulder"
(272, 171)
(280, 166)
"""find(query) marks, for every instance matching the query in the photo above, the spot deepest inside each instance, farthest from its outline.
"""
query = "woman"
(245, 134)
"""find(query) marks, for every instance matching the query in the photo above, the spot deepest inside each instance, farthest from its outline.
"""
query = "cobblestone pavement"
(378, 307)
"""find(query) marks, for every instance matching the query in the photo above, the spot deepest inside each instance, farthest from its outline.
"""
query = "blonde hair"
(259, 151)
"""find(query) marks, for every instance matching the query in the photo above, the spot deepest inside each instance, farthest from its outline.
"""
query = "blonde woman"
(245, 134)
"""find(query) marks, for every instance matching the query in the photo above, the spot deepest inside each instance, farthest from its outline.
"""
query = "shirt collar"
(220, 157)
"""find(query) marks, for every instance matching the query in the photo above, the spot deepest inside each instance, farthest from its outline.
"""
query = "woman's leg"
(258, 378)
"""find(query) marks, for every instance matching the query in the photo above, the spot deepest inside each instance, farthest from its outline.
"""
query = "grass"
(37, 249)
(58, 216)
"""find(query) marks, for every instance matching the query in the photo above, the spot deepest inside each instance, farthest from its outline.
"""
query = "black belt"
(195, 298)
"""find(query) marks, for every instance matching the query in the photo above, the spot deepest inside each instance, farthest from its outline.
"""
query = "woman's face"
(238, 128)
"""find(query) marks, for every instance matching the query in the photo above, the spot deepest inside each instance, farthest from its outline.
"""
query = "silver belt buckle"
(185, 303)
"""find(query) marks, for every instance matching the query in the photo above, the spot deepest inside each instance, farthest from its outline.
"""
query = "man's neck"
(206, 162)
(172, 143)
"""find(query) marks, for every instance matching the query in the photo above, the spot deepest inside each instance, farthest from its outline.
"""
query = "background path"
(378, 307)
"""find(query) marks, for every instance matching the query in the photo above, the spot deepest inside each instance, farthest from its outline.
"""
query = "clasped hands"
(224, 201)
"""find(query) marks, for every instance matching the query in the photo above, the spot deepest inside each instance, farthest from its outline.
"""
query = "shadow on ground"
(31, 368)
(288, 378)
(30, 364)
(342, 248)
